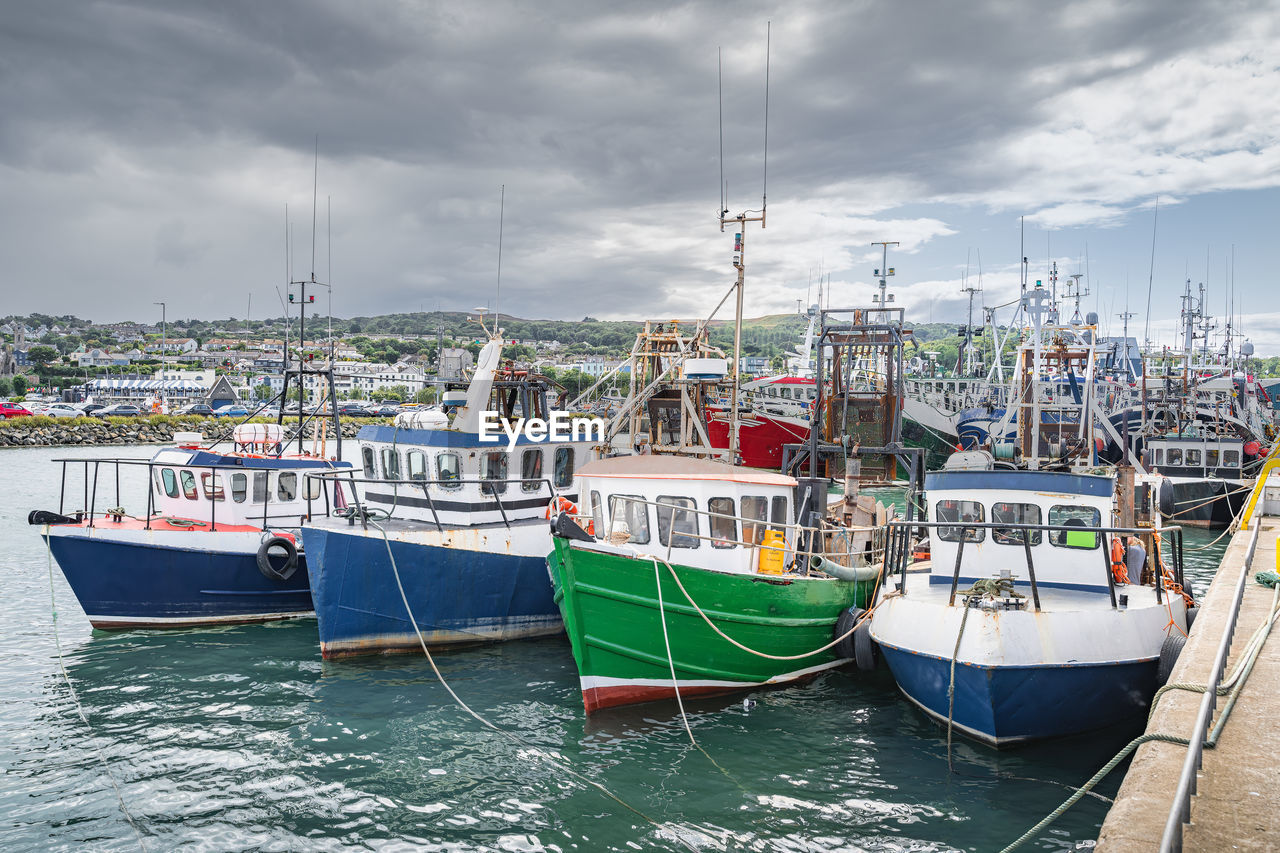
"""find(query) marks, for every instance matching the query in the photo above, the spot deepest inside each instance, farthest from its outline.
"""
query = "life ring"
(270, 565)
(1119, 571)
(563, 504)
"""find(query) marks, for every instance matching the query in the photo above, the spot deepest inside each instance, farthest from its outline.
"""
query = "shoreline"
(158, 429)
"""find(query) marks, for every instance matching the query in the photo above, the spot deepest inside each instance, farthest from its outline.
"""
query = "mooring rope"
(516, 739)
(66, 677)
(1239, 676)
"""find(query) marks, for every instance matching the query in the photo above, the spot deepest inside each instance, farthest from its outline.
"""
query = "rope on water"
(1232, 686)
(66, 677)
(516, 739)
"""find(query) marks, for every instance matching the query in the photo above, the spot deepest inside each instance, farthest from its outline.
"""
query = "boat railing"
(900, 534)
(487, 486)
(806, 542)
(267, 519)
(1180, 810)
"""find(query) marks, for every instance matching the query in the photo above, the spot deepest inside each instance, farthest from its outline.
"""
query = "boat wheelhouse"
(1210, 474)
(691, 576)
(217, 541)
(1038, 614)
(455, 517)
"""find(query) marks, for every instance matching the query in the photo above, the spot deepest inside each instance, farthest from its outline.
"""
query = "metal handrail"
(1180, 810)
(963, 526)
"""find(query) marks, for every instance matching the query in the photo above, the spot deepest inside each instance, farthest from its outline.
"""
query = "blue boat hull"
(458, 596)
(1007, 705)
(124, 585)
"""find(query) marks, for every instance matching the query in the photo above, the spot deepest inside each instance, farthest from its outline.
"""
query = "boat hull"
(615, 625)
(1005, 706)
(138, 578)
(1206, 503)
(760, 437)
(465, 586)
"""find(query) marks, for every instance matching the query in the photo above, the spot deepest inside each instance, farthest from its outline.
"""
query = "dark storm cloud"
(139, 140)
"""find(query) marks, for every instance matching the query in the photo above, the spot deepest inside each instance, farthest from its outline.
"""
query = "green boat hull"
(611, 613)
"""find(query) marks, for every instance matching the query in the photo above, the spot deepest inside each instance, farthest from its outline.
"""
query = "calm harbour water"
(241, 738)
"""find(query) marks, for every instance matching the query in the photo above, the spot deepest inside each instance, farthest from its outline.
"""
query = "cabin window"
(188, 485)
(1174, 456)
(493, 466)
(212, 485)
(724, 527)
(753, 509)
(260, 486)
(597, 514)
(287, 486)
(1074, 516)
(370, 470)
(1231, 458)
(1193, 458)
(170, 482)
(1011, 513)
(312, 487)
(1159, 456)
(564, 467)
(953, 510)
(449, 470)
(390, 464)
(778, 514)
(531, 469)
(628, 514)
(416, 461)
(1211, 458)
(239, 487)
(677, 522)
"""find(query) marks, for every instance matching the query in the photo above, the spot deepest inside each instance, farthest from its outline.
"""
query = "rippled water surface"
(242, 738)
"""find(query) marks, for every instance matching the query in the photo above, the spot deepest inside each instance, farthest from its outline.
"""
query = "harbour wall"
(65, 432)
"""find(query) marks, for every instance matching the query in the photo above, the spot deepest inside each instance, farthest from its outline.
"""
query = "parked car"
(13, 410)
(389, 410)
(353, 410)
(232, 412)
(197, 409)
(119, 410)
(63, 410)
(90, 408)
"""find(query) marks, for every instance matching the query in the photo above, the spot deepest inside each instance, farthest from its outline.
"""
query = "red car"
(13, 410)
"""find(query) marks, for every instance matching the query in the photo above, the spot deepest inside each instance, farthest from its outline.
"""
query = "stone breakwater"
(62, 432)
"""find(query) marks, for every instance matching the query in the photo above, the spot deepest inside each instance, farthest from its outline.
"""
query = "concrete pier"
(1237, 801)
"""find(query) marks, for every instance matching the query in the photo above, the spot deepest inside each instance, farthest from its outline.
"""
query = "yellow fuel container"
(773, 554)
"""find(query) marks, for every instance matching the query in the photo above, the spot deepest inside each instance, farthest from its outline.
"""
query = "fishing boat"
(1039, 615)
(452, 525)
(687, 575)
(217, 542)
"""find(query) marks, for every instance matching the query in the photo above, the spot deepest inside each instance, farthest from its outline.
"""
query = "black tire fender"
(864, 648)
(271, 565)
(1169, 651)
(846, 648)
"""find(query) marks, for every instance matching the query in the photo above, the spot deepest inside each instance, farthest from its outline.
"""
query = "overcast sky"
(148, 152)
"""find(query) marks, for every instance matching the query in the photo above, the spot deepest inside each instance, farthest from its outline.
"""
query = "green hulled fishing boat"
(687, 573)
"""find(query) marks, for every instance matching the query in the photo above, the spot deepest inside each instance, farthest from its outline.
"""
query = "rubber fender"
(1164, 498)
(1192, 612)
(271, 565)
(846, 648)
(1169, 652)
(864, 648)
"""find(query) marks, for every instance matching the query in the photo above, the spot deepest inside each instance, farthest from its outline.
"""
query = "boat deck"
(1237, 801)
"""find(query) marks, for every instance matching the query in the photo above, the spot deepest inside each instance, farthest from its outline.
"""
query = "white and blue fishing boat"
(1038, 615)
(216, 541)
(458, 522)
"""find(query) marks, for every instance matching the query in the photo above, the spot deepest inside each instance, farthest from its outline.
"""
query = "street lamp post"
(164, 333)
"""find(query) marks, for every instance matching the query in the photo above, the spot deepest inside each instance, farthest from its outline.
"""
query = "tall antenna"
(764, 187)
(1151, 273)
(720, 94)
(315, 188)
(502, 207)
